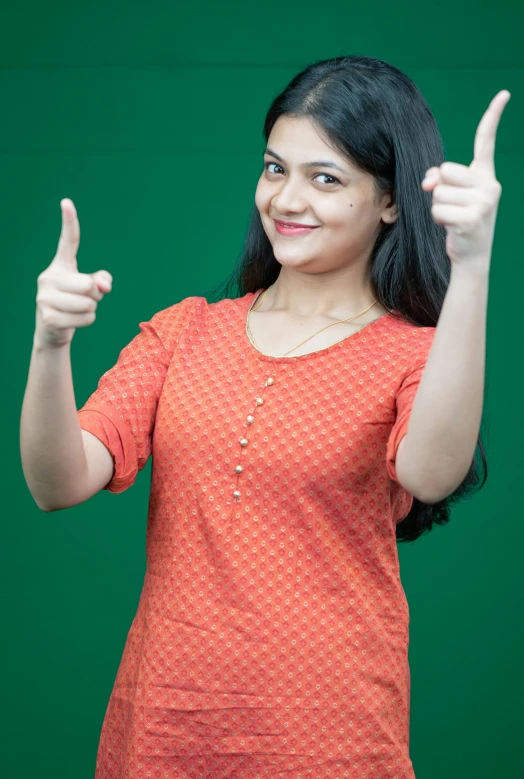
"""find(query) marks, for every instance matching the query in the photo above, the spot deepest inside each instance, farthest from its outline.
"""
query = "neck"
(309, 295)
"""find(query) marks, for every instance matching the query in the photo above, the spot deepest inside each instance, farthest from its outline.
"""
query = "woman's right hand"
(67, 299)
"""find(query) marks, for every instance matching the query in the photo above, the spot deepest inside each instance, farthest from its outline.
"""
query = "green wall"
(149, 116)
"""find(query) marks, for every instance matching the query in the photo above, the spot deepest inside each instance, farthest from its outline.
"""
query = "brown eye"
(330, 177)
(326, 175)
(267, 164)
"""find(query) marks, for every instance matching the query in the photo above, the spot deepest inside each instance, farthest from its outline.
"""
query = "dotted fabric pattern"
(271, 635)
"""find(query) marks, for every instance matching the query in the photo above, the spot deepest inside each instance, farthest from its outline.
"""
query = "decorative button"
(259, 401)
(236, 493)
(244, 442)
(239, 468)
(250, 420)
(270, 381)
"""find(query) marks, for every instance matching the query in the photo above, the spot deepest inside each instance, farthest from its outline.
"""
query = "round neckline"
(325, 350)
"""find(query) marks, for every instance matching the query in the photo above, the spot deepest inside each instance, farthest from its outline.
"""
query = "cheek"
(261, 196)
(338, 215)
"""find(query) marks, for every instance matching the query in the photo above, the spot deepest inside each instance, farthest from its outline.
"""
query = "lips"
(284, 228)
(295, 224)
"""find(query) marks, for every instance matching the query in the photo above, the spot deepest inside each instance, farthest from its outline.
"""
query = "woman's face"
(339, 201)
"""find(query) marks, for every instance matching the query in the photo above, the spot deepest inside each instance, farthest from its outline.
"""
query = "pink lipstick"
(289, 228)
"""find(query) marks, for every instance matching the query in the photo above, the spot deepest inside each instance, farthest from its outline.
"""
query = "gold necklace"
(259, 301)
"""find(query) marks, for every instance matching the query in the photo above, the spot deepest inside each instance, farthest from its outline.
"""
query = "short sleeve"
(121, 411)
(404, 401)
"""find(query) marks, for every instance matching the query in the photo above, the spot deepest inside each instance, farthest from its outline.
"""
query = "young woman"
(327, 406)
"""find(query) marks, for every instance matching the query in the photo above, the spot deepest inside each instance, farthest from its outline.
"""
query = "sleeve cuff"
(120, 444)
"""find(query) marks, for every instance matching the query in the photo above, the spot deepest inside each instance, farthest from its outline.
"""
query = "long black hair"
(377, 118)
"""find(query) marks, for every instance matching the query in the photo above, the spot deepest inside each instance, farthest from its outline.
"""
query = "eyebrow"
(316, 164)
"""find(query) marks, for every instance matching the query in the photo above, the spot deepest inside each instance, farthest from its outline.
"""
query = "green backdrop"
(149, 116)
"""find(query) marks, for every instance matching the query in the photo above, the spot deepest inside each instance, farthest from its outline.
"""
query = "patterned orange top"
(271, 633)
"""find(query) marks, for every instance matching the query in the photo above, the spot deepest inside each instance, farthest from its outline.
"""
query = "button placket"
(243, 441)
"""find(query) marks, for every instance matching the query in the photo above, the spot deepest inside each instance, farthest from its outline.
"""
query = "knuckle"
(88, 284)
(49, 317)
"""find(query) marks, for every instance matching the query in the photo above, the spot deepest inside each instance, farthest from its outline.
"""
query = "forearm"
(51, 445)
(444, 424)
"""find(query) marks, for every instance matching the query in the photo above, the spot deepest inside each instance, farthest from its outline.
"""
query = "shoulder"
(402, 329)
(408, 343)
(195, 312)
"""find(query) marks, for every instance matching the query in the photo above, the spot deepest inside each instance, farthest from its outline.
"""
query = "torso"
(272, 630)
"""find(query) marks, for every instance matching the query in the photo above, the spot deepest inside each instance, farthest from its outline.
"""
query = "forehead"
(299, 139)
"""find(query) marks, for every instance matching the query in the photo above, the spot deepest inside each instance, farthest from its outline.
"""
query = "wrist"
(40, 345)
(473, 270)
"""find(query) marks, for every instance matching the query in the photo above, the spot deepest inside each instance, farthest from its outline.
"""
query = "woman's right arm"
(63, 465)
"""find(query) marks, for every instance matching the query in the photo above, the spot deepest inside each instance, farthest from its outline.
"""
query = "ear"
(390, 213)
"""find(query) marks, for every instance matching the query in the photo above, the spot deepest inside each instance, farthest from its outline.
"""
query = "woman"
(298, 431)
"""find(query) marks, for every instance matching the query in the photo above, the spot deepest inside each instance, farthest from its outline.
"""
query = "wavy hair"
(377, 118)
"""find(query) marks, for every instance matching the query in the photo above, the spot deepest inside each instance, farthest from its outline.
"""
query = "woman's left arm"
(437, 451)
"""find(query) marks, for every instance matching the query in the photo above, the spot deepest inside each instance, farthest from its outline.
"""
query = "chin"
(293, 262)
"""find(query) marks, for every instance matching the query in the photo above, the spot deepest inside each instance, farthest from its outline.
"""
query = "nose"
(289, 199)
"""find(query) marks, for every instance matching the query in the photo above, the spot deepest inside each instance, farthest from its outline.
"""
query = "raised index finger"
(70, 235)
(484, 148)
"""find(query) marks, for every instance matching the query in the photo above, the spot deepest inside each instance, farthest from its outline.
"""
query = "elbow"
(427, 484)
(42, 507)
(434, 496)
(47, 509)
(429, 490)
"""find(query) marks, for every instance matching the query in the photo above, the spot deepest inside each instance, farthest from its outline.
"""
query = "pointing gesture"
(465, 198)
(69, 240)
(67, 299)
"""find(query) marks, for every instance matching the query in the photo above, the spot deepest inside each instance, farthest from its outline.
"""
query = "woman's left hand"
(465, 199)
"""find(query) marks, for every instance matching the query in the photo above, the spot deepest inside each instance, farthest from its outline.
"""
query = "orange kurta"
(271, 635)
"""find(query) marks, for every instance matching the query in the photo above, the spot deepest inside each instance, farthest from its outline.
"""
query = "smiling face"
(339, 200)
